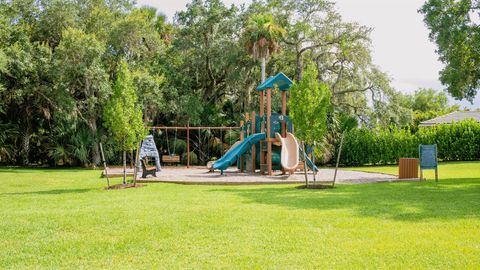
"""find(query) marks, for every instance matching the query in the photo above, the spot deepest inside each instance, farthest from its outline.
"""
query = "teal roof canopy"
(280, 80)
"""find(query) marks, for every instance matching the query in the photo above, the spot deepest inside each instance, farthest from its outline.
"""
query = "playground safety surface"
(231, 176)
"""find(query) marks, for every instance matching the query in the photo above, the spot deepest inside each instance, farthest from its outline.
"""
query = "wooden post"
(188, 144)
(247, 118)
(135, 164)
(284, 113)
(254, 147)
(436, 163)
(104, 165)
(242, 135)
(269, 141)
(242, 126)
(124, 167)
(313, 161)
(131, 159)
(262, 129)
(305, 164)
(338, 160)
(283, 129)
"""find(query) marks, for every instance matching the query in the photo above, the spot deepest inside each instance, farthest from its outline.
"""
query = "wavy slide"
(238, 149)
(290, 151)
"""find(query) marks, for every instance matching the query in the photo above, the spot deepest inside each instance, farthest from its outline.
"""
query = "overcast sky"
(400, 39)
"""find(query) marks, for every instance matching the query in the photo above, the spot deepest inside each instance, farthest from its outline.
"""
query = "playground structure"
(266, 141)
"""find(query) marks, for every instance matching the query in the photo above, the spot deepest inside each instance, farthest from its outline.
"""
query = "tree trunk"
(26, 136)
(25, 147)
(299, 67)
(313, 161)
(124, 167)
(264, 64)
(96, 158)
(131, 159)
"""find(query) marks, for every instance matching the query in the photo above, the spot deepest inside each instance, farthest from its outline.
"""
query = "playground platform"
(231, 176)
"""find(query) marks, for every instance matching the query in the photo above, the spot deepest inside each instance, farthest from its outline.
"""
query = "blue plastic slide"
(235, 152)
(310, 163)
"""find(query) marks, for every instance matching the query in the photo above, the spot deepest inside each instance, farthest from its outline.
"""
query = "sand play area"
(232, 176)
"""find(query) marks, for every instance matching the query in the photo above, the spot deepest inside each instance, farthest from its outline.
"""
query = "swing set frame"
(188, 128)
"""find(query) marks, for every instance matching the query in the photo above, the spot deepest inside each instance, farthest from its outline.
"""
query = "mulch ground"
(122, 186)
(316, 186)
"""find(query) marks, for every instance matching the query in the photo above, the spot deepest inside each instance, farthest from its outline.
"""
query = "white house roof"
(451, 117)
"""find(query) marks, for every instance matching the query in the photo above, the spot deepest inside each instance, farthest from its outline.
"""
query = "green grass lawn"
(64, 219)
(446, 170)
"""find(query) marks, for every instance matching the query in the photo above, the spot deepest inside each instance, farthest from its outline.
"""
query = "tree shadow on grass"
(412, 201)
(51, 192)
(30, 170)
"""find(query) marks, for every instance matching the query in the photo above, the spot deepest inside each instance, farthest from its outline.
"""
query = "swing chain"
(168, 144)
(221, 141)
(174, 144)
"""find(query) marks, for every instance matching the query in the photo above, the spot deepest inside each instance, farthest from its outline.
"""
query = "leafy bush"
(231, 136)
(457, 141)
(193, 158)
(178, 147)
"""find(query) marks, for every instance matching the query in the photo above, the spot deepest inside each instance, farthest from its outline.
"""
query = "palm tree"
(261, 38)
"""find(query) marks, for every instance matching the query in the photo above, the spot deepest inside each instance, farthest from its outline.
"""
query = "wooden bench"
(148, 170)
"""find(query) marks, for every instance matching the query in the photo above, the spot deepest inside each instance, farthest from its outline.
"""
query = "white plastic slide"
(289, 155)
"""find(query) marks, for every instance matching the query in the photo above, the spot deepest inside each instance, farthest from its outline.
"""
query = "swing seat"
(171, 159)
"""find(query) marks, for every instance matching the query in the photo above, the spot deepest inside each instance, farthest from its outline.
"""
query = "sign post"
(428, 159)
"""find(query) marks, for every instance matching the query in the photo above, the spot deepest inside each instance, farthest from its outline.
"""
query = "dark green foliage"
(193, 158)
(177, 147)
(458, 141)
(454, 28)
(59, 62)
(231, 136)
(69, 144)
(7, 150)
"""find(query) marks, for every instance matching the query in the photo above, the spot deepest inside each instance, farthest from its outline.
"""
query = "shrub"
(231, 136)
(193, 158)
(457, 141)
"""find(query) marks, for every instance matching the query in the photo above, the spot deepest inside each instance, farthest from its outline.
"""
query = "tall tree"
(208, 62)
(454, 27)
(427, 99)
(262, 36)
(122, 115)
(341, 50)
(426, 104)
(30, 97)
(79, 71)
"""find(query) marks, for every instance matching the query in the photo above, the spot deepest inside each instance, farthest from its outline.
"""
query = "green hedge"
(458, 141)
